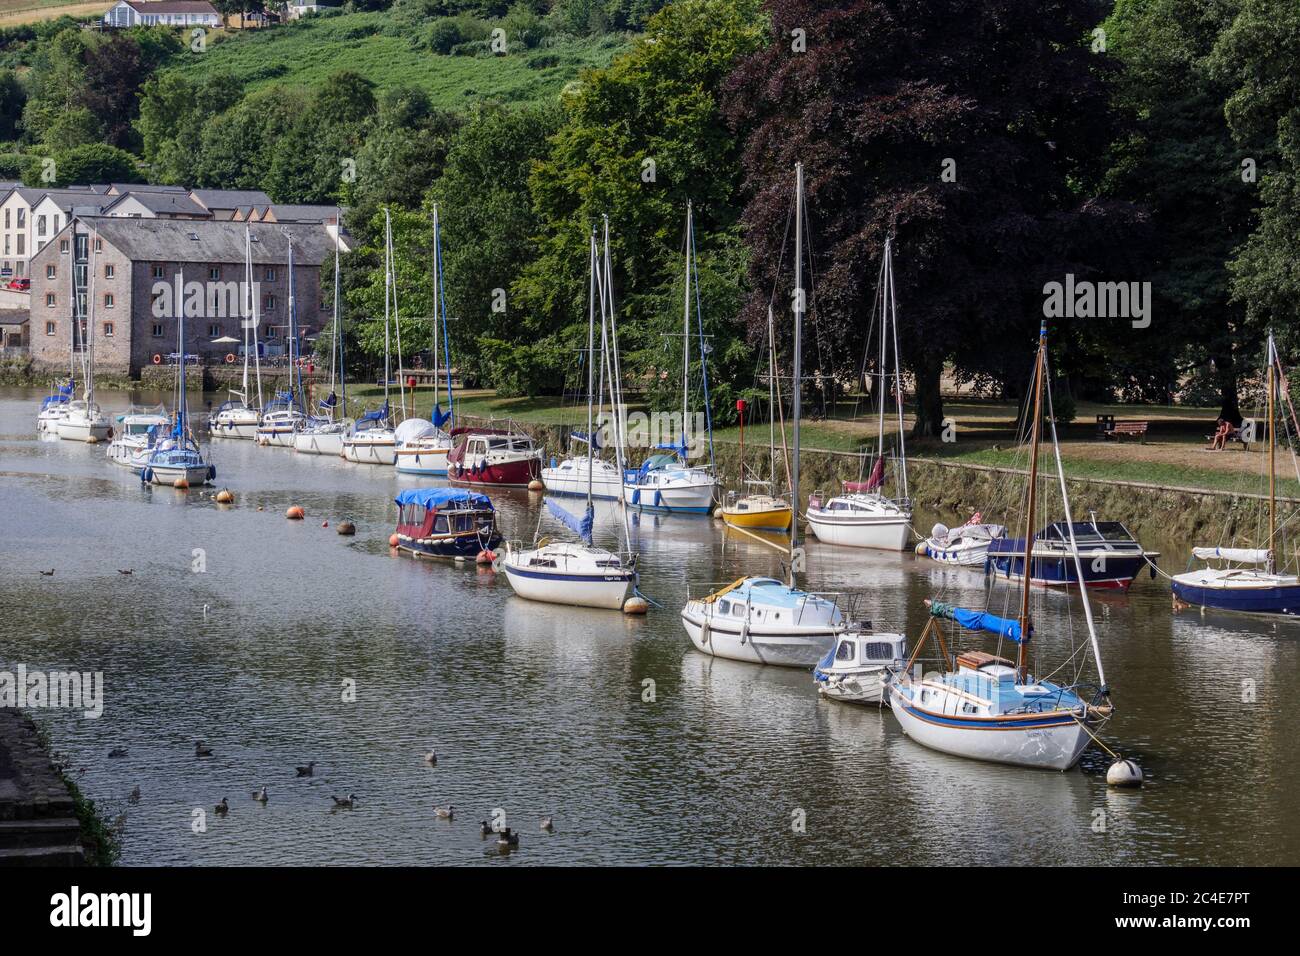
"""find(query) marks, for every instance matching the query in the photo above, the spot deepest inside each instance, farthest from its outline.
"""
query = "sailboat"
(987, 707)
(1248, 579)
(176, 460)
(863, 517)
(134, 441)
(54, 406)
(667, 482)
(236, 418)
(83, 420)
(758, 508)
(371, 440)
(323, 433)
(578, 573)
(763, 620)
(422, 445)
(284, 416)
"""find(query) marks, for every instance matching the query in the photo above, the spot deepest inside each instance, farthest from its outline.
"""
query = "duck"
(431, 758)
(344, 803)
(223, 807)
(135, 795)
(117, 752)
(507, 838)
(548, 824)
(485, 828)
(49, 573)
(307, 770)
(201, 749)
(127, 571)
(260, 795)
(445, 813)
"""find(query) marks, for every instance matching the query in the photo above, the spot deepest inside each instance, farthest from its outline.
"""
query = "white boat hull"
(579, 590)
(370, 453)
(758, 644)
(318, 443)
(884, 534)
(606, 488)
(230, 429)
(280, 437)
(128, 455)
(1054, 747)
(859, 686)
(684, 498)
(426, 461)
(168, 474)
(72, 429)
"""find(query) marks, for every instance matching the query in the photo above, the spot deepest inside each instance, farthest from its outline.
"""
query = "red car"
(22, 285)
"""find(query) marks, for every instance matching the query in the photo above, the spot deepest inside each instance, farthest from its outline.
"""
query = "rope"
(1097, 739)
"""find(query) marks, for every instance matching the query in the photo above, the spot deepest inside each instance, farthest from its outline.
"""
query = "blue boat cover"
(579, 526)
(978, 620)
(442, 497)
(582, 437)
(438, 416)
(329, 401)
(378, 415)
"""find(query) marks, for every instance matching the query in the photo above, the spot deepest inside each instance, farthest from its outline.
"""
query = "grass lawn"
(16, 12)
(306, 52)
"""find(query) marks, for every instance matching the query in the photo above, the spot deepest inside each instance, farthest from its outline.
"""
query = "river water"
(246, 630)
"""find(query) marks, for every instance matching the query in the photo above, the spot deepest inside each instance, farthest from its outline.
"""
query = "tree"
(315, 160)
(13, 96)
(90, 163)
(880, 99)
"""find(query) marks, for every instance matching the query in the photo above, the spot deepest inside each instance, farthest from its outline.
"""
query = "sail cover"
(1244, 555)
(978, 620)
(579, 526)
(438, 416)
(874, 480)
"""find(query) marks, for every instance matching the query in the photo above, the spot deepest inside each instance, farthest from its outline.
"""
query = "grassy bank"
(307, 51)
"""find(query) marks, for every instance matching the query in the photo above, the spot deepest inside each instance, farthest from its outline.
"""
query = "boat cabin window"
(440, 524)
(724, 607)
(541, 563)
(464, 522)
(737, 610)
(878, 651)
(845, 651)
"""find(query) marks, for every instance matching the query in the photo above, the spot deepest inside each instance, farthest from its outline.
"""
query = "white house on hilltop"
(167, 13)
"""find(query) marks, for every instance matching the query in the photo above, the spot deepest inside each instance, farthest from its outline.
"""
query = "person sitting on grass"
(1221, 432)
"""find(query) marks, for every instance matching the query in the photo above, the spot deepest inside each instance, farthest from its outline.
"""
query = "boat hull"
(447, 546)
(1116, 573)
(169, 474)
(569, 483)
(246, 431)
(1263, 600)
(81, 430)
(423, 461)
(278, 437)
(759, 645)
(772, 519)
(318, 443)
(668, 499)
(1048, 742)
(883, 534)
(370, 453)
(607, 591)
(516, 474)
(858, 686)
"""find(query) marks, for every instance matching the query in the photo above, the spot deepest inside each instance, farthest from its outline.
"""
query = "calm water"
(538, 710)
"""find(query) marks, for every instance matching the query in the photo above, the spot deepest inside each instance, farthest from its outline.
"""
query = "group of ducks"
(506, 837)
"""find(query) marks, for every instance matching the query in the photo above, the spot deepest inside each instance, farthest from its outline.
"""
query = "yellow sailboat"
(758, 509)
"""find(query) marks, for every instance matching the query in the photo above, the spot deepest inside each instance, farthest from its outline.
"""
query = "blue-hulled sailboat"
(1248, 579)
(985, 706)
(176, 460)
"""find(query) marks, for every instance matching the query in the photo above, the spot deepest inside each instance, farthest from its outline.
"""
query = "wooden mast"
(1022, 652)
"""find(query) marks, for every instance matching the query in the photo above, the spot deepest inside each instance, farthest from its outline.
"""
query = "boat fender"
(1124, 773)
(704, 631)
(392, 540)
(659, 498)
(212, 472)
(146, 475)
(922, 549)
(744, 633)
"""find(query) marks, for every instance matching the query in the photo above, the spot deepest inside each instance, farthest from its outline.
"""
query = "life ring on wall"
(157, 359)
(230, 358)
(299, 361)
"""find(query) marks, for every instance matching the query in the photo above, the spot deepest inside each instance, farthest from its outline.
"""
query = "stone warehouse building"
(120, 276)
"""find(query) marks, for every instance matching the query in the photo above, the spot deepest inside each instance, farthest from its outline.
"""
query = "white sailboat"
(83, 420)
(372, 439)
(236, 418)
(987, 707)
(668, 482)
(284, 416)
(422, 446)
(862, 516)
(176, 459)
(323, 434)
(758, 619)
(579, 573)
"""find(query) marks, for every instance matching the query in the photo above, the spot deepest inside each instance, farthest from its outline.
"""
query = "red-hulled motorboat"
(492, 456)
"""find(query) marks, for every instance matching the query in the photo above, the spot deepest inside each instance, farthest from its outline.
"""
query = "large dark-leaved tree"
(878, 98)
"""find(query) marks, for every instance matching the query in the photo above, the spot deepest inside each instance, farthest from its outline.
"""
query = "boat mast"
(397, 323)
(90, 325)
(686, 328)
(1022, 650)
(295, 351)
(338, 330)
(436, 312)
(796, 387)
(884, 318)
(898, 372)
(591, 357)
(1272, 447)
(252, 295)
(248, 310)
(388, 281)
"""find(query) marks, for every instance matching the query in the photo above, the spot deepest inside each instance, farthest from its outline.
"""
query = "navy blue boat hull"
(461, 546)
(1118, 572)
(1251, 601)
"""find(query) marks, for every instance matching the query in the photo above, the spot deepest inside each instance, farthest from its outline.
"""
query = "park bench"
(1245, 434)
(1108, 428)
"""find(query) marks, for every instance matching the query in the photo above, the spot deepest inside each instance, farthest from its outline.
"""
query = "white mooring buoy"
(1124, 773)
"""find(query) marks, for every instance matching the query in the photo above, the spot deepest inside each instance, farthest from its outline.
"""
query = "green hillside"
(308, 51)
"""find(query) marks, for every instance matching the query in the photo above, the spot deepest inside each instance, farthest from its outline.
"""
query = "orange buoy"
(295, 513)
(486, 557)
(536, 485)
(224, 497)
(392, 540)
(180, 483)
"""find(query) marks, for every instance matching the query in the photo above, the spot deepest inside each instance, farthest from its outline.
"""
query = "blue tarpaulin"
(443, 498)
(439, 417)
(579, 526)
(978, 620)
(582, 437)
(378, 415)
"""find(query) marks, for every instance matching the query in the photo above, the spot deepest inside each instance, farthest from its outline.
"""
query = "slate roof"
(172, 240)
(161, 204)
(229, 198)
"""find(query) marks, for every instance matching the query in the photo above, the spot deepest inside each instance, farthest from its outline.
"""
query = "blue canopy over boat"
(978, 620)
(378, 415)
(579, 526)
(443, 498)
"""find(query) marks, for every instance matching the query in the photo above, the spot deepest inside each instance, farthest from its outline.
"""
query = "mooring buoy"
(536, 485)
(347, 527)
(392, 540)
(224, 497)
(295, 513)
(636, 605)
(1124, 773)
(180, 483)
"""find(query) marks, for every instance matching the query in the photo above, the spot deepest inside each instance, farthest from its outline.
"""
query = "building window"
(50, 328)
(7, 223)
(109, 271)
(99, 245)
(270, 275)
(268, 303)
(157, 272)
(49, 272)
(22, 218)
(6, 244)
(108, 300)
(108, 329)
(157, 330)
(40, 225)
(214, 330)
(22, 243)
(214, 273)
(63, 246)
(50, 300)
